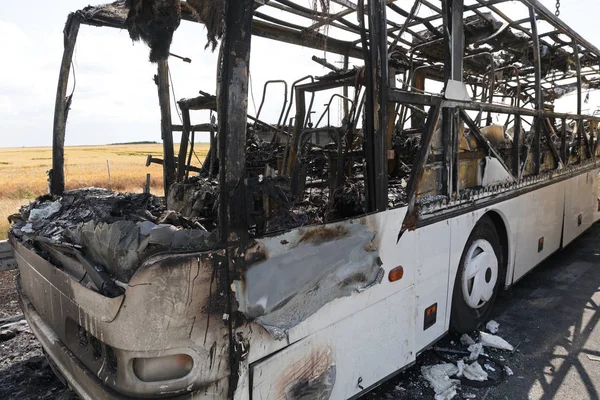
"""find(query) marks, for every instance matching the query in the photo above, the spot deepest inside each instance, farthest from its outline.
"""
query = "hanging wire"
(174, 97)
(252, 92)
(557, 12)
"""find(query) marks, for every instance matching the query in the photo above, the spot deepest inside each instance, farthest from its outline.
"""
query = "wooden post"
(164, 100)
(61, 105)
(108, 169)
(147, 185)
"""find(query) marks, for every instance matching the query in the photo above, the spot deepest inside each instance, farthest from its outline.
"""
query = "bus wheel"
(478, 279)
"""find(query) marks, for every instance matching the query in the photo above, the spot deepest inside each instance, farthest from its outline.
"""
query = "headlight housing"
(165, 368)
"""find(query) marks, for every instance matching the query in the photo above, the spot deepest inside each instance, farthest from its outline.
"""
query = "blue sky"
(115, 99)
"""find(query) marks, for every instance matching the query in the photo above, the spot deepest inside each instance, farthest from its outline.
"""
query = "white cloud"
(6, 106)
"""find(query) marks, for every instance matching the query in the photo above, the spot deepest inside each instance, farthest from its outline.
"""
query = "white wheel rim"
(480, 274)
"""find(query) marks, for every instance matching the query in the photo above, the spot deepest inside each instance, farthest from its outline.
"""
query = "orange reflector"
(396, 273)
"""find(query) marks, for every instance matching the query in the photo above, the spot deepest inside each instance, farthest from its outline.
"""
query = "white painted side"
(596, 216)
(369, 344)
(372, 334)
(376, 332)
(540, 214)
(581, 199)
(429, 255)
(387, 225)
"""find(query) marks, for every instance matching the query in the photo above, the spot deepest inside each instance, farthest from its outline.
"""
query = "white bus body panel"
(540, 214)
(363, 348)
(581, 200)
(371, 334)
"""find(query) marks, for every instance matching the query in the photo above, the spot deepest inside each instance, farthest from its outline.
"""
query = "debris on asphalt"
(494, 341)
(399, 388)
(492, 326)
(438, 377)
(14, 318)
(489, 367)
(7, 335)
(593, 358)
(508, 371)
(474, 372)
(476, 350)
(11, 329)
(466, 340)
(461, 368)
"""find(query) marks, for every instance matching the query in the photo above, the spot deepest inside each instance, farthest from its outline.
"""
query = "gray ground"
(551, 315)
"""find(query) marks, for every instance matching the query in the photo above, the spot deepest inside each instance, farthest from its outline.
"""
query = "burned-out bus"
(315, 256)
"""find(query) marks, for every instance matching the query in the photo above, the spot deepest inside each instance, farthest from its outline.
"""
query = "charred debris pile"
(111, 232)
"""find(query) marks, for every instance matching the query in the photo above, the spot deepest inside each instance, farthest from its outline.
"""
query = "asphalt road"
(552, 315)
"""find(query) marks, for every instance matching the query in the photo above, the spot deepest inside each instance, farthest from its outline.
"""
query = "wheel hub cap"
(480, 274)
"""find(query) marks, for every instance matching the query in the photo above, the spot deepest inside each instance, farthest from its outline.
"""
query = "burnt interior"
(306, 169)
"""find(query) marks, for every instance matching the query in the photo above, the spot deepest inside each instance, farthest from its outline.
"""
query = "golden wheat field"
(23, 171)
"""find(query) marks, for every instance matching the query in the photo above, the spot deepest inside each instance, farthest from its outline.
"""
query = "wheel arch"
(502, 228)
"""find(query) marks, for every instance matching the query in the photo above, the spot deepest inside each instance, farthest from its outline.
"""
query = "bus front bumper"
(65, 363)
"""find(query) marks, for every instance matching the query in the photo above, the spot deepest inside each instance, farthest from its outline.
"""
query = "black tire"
(465, 318)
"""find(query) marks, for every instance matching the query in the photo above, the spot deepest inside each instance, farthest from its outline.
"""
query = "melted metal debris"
(438, 377)
(114, 231)
(492, 326)
(472, 367)
(494, 341)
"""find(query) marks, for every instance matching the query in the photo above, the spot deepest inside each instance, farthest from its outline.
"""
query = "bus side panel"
(581, 204)
(391, 252)
(430, 256)
(356, 352)
(539, 229)
(596, 195)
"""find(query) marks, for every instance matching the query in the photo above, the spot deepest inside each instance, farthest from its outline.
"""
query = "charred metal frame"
(374, 48)
(61, 107)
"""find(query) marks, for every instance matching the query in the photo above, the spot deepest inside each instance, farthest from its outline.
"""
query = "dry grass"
(23, 171)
